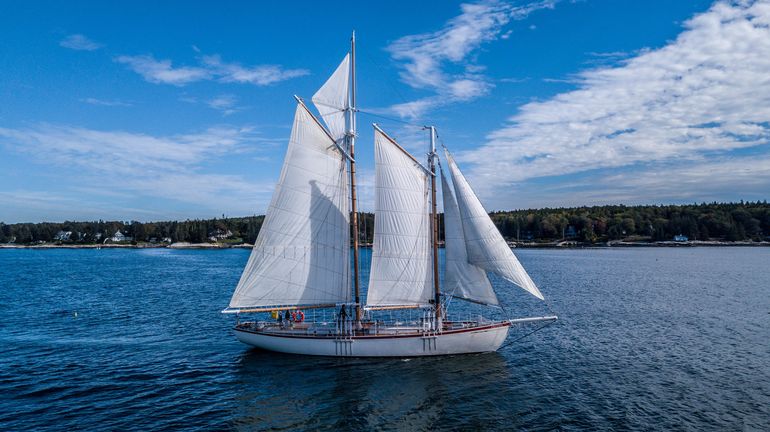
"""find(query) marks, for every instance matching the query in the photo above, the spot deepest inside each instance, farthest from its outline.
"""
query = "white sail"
(301, 256)
(461, 278)
(401, 272)
(331, 99)
(485, 245)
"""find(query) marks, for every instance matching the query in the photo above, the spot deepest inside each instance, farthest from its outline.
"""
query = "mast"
(434, 221)
(351, 138)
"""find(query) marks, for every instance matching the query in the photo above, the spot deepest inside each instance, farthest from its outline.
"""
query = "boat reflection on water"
(278, 391)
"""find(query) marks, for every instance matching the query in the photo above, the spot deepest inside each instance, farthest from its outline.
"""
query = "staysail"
(485, 245)
(461, 278)
(401, 272)
(301, 255)
(332, 101)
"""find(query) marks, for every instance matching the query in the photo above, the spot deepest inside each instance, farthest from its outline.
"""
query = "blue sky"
(182, 110)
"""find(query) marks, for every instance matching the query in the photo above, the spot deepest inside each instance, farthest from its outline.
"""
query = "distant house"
(680, 238)
(63, 235)
(219, 235)
(166, 240)
(119, 237)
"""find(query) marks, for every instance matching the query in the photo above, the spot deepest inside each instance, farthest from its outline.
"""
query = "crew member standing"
(343, 317)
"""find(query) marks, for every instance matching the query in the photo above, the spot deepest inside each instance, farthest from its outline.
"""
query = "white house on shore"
(220, 234)
(63, 235)
(120, 237)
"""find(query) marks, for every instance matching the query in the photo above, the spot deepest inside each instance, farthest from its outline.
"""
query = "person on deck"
(343, 317)
(287, 318)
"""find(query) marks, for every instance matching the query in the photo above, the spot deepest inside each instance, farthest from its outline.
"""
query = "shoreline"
(530, 245)
(180, 245)
(627, 244)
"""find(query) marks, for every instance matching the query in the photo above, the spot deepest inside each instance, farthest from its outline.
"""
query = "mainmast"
(434, 222)
(351, 139)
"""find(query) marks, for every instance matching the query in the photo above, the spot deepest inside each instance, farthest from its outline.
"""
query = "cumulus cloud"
(210, 68)
(704, 95)
(80, 43)
(425, 57)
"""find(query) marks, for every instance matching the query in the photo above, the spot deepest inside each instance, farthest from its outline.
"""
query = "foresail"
(485, 245)
(461, 278)
(401, 271)
(301, 255)
(331, 99)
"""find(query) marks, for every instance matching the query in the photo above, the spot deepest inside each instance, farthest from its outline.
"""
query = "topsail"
(332, 100)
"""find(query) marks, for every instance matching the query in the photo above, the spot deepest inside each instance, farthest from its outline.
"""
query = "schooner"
(301, 258)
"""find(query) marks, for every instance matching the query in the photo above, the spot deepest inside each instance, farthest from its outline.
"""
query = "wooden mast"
(351, 137)
(434, 222)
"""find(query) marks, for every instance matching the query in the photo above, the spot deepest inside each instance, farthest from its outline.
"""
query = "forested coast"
(744, 222)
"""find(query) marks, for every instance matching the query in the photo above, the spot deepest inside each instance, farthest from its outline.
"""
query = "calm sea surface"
(659, 338)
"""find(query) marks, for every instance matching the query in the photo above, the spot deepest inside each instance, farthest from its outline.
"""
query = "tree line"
(706, 221)
(235, 230)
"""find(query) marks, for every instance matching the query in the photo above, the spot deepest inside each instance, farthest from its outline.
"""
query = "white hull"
(460, 341)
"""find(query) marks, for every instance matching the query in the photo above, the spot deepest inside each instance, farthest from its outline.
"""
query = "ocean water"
(649, 339)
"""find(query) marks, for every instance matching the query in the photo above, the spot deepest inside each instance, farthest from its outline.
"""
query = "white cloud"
(225, 103)
(426, 55)
(168, 167)
(702, 96)
(162, 71)
(123, 151)
(210, 68)
(109, 103)
(720, 179)
(259, 75)
(80, 43)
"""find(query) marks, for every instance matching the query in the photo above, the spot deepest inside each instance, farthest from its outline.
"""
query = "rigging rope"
(390, 82)
(369, 113)
(528, 334)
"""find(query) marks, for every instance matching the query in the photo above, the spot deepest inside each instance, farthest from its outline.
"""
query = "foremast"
(350, 137)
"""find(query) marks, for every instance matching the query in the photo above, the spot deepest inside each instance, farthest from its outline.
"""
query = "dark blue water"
(133, 340)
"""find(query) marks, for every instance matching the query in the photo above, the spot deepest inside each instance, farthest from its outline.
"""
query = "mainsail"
(301, 256)
(485, 245)
(401, 272)
(332, 99)
(461, 278)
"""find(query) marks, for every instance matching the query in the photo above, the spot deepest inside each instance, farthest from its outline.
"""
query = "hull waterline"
(479, 339)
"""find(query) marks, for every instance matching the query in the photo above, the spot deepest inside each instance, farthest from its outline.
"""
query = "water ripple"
(133, 340)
